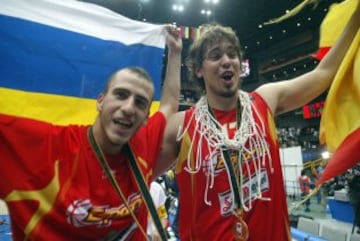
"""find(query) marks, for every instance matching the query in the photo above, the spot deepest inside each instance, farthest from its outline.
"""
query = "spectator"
(354, 195)
(304, 183)
(159, 197)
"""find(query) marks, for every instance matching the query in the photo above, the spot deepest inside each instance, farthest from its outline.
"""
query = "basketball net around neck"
(249, 132)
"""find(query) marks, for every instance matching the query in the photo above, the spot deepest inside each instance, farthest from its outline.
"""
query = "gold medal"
(240, 228)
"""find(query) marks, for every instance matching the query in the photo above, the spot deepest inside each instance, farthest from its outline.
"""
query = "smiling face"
(220, 69)
(123, 109)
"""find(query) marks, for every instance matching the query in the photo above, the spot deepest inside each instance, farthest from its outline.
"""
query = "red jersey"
(267, 219)
(304, 183)
(56, 189)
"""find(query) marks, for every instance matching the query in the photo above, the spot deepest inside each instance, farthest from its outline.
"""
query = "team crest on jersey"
(249, 190)
(81, 213)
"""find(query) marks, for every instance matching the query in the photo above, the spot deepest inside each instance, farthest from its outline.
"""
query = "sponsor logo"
(82, 213)
(250, 190)
(219, 163)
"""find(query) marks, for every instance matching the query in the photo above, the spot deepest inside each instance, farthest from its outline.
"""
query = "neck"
(223, 103)
(103, 141)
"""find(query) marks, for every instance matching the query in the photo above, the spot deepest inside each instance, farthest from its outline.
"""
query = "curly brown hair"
(210, 34)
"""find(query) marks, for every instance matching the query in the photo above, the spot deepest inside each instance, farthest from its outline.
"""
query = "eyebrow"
(141, 97)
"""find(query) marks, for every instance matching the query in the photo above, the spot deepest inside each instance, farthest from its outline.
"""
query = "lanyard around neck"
(139, 180)
(236, 184)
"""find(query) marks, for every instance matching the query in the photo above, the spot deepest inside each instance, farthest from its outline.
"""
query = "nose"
(225, 60)
(128, 106)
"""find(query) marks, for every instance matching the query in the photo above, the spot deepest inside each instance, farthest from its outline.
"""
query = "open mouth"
(123, 124)
(227, 76)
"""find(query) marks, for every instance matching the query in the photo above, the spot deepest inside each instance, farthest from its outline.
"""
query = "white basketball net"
(217, 140)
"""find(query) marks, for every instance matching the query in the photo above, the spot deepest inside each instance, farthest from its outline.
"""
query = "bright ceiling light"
(205, 12)
(211, 1)
(178, 8)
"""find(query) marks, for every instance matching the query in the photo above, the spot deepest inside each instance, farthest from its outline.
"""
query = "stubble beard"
(230, 93)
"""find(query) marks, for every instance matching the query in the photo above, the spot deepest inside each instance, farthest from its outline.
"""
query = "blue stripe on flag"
(40, 58)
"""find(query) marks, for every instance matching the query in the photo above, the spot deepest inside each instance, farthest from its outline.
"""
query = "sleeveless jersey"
(267, 220)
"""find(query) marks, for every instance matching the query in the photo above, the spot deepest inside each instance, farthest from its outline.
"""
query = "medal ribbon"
(235, 184)
(139, 179)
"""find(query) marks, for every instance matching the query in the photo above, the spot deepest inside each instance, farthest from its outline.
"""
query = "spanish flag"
(333, 25)
(340, 122)
(56, 57)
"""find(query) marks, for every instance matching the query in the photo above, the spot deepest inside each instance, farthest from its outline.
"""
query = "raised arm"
(170, 145)
(171, 89)
(291, 94)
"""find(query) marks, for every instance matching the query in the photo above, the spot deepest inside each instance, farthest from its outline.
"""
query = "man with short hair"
(76, 182)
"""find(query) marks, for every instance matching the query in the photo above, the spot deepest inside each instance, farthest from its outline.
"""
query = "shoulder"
(257, 97)
(270, 93)
(155, 123)
(158, 116)
(155, 185)
(156, 188)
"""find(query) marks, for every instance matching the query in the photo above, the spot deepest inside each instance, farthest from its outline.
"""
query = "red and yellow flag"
(340, 122)
(333, 25)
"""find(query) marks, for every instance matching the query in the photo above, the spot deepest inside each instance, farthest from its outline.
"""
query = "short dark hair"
(210, 34)
(141, 72)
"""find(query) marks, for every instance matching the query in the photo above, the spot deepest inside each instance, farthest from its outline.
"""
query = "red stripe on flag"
(345, 157)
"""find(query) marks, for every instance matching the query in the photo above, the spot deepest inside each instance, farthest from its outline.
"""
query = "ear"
(99, 102)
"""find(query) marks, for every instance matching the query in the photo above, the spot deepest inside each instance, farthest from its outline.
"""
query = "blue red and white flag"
(56, 57)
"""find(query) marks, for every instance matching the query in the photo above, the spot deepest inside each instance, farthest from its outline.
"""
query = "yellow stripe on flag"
(340, 122)
(335, 21)
(341, 115)
(56, 109)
